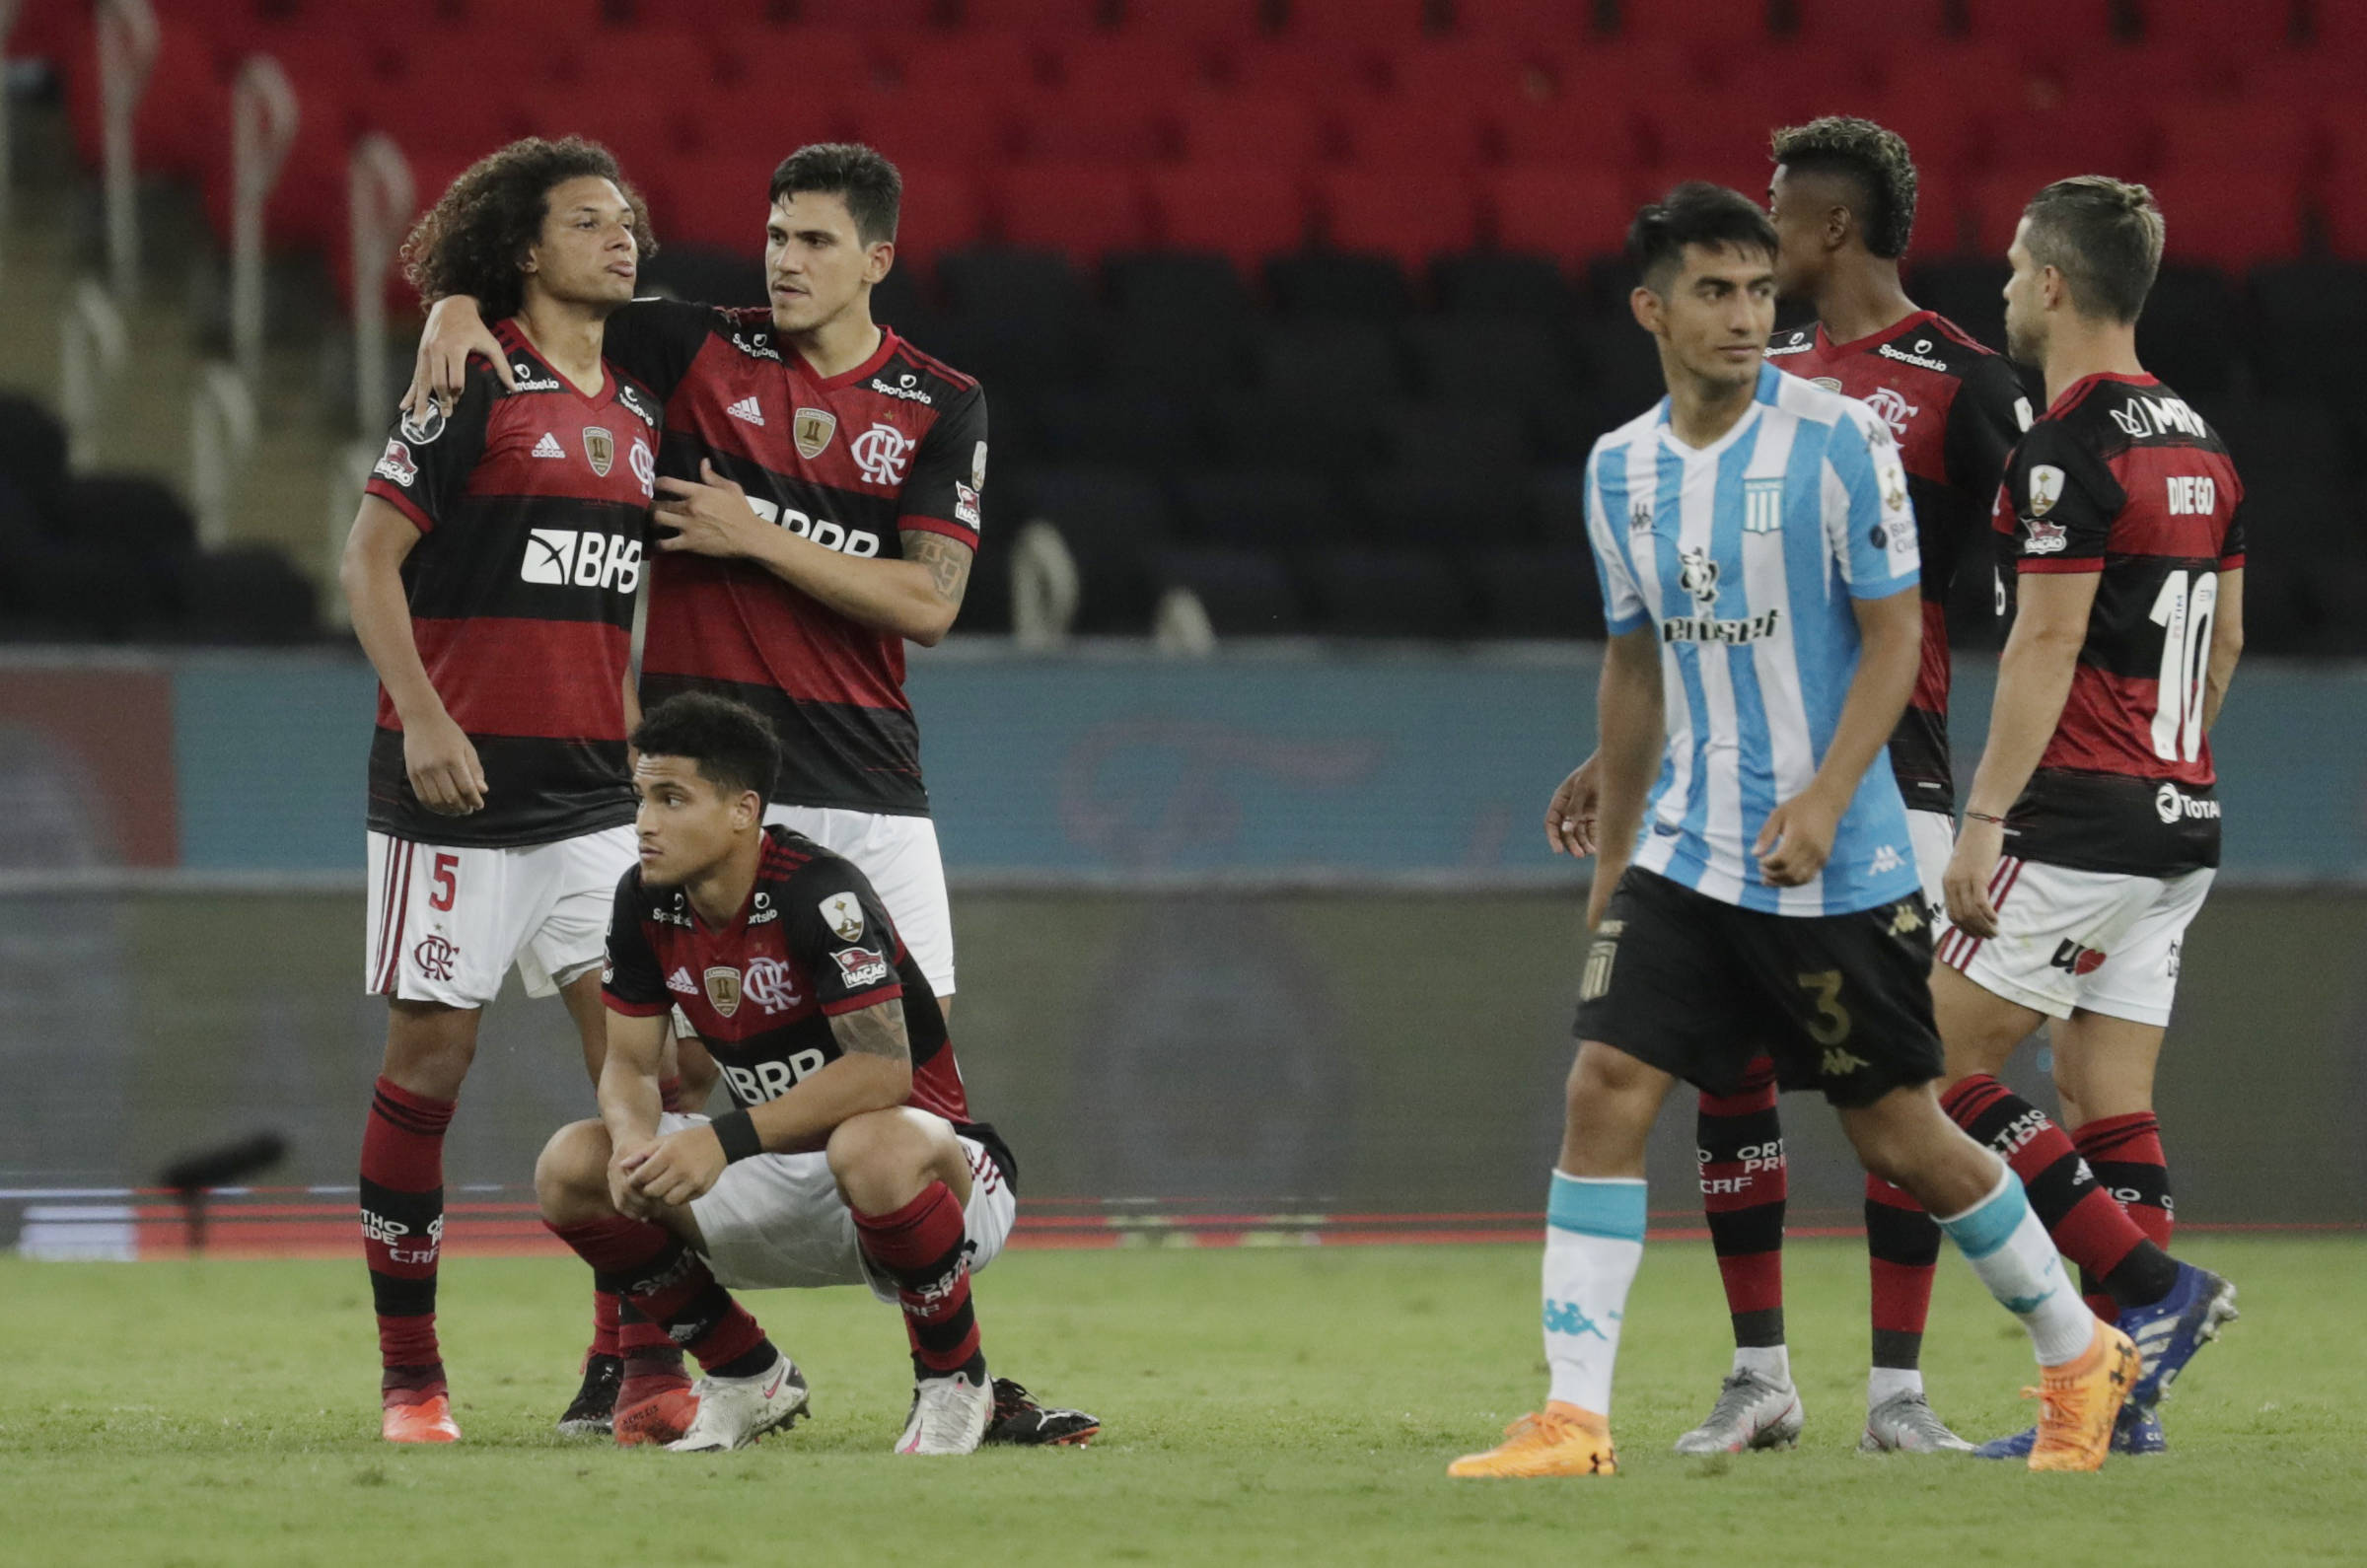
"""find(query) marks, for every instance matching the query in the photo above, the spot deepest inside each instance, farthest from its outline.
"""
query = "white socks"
(1771, 1363)
(1888, 1382)
(2009, 1250)
(1593, 1240)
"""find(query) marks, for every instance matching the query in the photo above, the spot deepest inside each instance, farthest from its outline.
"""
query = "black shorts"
(1697, 987)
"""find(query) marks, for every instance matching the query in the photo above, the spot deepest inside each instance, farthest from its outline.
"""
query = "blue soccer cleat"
(2169, 1332)
(2136, 1430)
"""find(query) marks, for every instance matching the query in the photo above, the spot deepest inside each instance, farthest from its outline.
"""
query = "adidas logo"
(680, 981)
(548, 446)
(746, 408)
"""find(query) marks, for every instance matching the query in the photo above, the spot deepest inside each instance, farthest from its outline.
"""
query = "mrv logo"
(565, 556)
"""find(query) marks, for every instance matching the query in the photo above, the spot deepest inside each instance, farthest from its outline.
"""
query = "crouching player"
(850, 1158)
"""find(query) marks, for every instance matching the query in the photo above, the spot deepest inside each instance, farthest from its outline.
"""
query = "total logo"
(583, 559)
(2172, 804)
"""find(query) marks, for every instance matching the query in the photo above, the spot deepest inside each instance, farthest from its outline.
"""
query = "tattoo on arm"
(948, 561)
(874, 1032)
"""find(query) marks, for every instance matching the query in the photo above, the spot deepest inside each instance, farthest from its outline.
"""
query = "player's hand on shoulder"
(1570, 816)
(442, 765)
(440, 371)
(1965, 886)
(710, 515)
(682, 1167)
(1798, 837)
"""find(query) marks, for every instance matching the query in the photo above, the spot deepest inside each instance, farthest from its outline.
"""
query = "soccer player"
(1842, 199)
(851, 1157)
(1757, 554)
(492, 570)
(2092, 827)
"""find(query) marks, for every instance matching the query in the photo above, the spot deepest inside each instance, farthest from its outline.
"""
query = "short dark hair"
(732, 744)
(473, 239)
(1875, 159)
(1695, 213)
(2104, 236)
(874, 191)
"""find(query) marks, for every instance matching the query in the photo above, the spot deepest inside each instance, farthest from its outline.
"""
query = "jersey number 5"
(446, 878)
(2184, 613)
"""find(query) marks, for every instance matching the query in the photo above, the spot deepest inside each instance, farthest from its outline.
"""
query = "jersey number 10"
(2184, 613)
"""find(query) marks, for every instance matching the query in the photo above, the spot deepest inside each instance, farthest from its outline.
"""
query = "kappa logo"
(1907, 916)
(1894, 410)
(1839, 1063)
(771, 985)
(548, 446)
(680, 981)
(882, 453)
(397, 464)
(842, 913)
(2046, 539)
(1568, 1317)
(435, 957)
(599, 450)
(812, 429)
(1885, 859)
(908, 386)
(723, 989)
(746, 411)
(565, 556)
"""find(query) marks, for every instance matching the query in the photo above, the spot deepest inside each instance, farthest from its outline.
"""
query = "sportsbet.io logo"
(565, 556)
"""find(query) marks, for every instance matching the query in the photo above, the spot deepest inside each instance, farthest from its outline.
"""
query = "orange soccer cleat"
(427, 1421)
(2079, 1400)
(1560, 1440)
(658, 1418)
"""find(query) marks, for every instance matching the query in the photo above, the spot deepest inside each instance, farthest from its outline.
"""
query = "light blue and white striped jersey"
(1745, 555)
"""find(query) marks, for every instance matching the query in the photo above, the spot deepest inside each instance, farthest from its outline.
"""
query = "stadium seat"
(900, 16)
(962, 127)
(1182, 355)
(1080, 124)
(1114, 65)
(1559, 210)
(1250, 132)
(927, 59)
(1576, 128)
(1330, 283)
(1267, 509)
(717, 202)
(1538, 594)
(1557, 504)
(1904, 26)
(2230, 216)
(1500, 283)
(1460, 505)
(1619, 363)
(2279, 437)
(1447, 136)
(1244, 213)
(2269, 140)
(1477, 70)
(128, 513)
(944, 209)
(1339, 359)
(1028, 286)
(2192, 334)
(2342, 212)
(1528, 24)
(1358, 22)
(1079, 209)
(835, 61)
(1136, 428)
(1113, 521)
(1197, 284)
(182, 123)
(1197, 21)
(2312, 328)
(33, 457)
(1038, 15)
(1244, 593)
(249, 594)
(1413, 217)
(1331, 71)
(2069, 29)
(1369, 592)
(1968, 291)
(2246, 31)
(1488, 361)
(1340, 436)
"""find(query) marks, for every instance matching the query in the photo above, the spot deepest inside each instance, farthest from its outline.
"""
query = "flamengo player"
(491, 571)
(820, 505)
(1843, 203)
(1758, 565)
(850, 1160)
(2092, 830)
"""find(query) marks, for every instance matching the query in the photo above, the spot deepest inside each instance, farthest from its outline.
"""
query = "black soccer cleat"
(1020, 1422)
(594, 1410)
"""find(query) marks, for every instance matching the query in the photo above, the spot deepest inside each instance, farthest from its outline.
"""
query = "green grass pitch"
(1261, 1406)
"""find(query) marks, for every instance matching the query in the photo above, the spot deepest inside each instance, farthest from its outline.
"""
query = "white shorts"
(776, 1220)
(1932, 835)
(445, 923)
(898, 854)
(2097, 941)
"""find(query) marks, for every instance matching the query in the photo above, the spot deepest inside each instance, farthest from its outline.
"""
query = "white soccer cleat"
(1751, 1413)
(949, 1415)
(1905, 1423)
(733, 1412)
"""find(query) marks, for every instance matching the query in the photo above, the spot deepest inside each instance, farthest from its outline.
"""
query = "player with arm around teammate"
(2092, 827)
(1758, 562)
(850, 1158)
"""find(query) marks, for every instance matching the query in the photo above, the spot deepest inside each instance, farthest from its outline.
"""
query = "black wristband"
(736, 1132)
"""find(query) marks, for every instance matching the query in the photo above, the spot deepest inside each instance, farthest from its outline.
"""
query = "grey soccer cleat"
(1905, 1423)
(1751, 1413)
(950, 1415)
(733, 1412)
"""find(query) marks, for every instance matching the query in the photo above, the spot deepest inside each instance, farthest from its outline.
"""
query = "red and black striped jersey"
(812, 942)
(853, 461)
(1957, 409)
(2120, 477)
(533, 508)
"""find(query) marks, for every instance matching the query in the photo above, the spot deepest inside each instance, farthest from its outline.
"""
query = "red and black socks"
(669, 1286)
(402, 1236)
(1902, 1249)
(1744, 1186)
(2125, 1155)
(2087, 1227)
(922, 1247)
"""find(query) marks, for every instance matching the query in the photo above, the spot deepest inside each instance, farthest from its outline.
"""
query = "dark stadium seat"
(711, 277)
(1111, 64)
(1200, 284)
(1268, 509)
(1620, 363)
(2192, 334)
(1113, 521)
(1038, 15)
(1578, 127)
(1482, 441)
(1337, 436)
(249, 594)
(33, 457)
(1197, 21)
(1969, 292)
(2111, 129)
(1344, 360)
(131, 514)
(1020, 284)
(1245, 593)
(2265, 138)
(1487, 361)
(1245, 214)
(1458, 508)
(1177, 354)
(2312, 335)
(2070, 28)
(2297, 437)
(1530, 592)
(1246, 132)
(1334, 71)
(2342, 212)
(886, 15)
(1413, 217)
(1501, 283)
(1142, 429)
(1557, 503)
(1369, 592)
(1343, 285)
(1560, 209)
(1081, 209)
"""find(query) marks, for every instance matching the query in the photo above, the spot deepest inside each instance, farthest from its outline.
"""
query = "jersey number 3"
(2184, 610)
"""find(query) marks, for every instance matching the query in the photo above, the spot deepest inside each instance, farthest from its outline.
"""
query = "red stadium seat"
(1940, 218)
(1993, 205)
(1243, 212)
(1034, 16)
(903, 14)
(669, 64)
(1387, 22)
(1084, 210)
(571, 17)
(1624, 73)
(1943, 116)
(1280, 130)
(1092, 126)
(1116, 63)
(1566, 211)
(2342, 207)
(787, 62)
(1480, 71)
(1575, 128)
(1728, 130)
(716, 202)
(642, 131)
(2085, 133)
(964, 128)
(2229, 216)
(1411, 216)
(753, 119)
(2247, 30)
(1528, 24)
(1012, 61)
(182, 124)
(1389, 134)
(2062, 29)
(2273, 138)
(944, 210)
(1887, 24)
(1325, 69)
(1198, 21)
